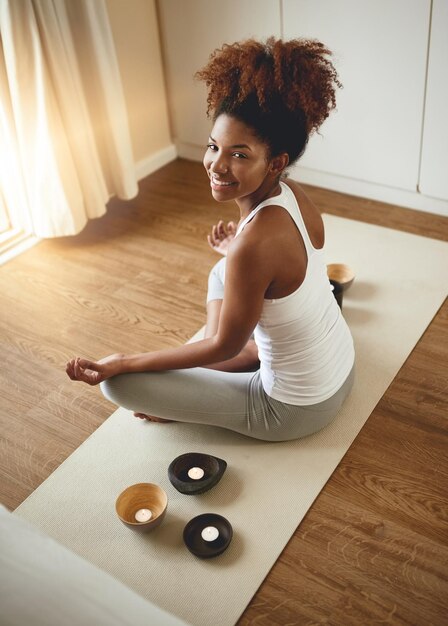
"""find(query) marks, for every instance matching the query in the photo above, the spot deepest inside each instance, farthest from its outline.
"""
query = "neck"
(267, 190)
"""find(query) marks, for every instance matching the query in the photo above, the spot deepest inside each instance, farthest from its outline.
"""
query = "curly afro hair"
(283, 90)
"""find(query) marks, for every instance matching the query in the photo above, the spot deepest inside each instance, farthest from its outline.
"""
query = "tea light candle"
(143, 515)
(210, 533)
(196, 473)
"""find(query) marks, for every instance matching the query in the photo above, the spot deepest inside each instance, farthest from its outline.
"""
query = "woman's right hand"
(94, 372)
(221, 237)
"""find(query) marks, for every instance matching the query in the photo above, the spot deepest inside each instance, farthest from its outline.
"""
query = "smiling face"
(237, 163)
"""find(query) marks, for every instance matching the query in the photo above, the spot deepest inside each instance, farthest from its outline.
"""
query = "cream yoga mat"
(401, 281)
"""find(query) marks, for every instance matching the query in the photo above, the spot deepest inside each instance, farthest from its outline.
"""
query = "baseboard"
(16, 246)
(190, 151)
(363, 189)
(152, 163)
(350, 186)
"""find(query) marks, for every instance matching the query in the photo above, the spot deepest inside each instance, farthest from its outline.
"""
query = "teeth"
(220, 183)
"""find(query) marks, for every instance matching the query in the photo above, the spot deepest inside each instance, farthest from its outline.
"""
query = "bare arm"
(241, 308)
(246, 360)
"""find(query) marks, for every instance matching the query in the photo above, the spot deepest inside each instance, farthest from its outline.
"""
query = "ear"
(279, 163)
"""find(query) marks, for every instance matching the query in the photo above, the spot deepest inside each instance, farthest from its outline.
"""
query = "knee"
(129, 391)
(111, 391)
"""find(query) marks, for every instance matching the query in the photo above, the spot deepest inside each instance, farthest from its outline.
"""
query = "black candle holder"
(213, 468)
(207, 549)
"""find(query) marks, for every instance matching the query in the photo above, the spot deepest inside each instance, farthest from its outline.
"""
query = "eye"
(212, 146)
(239, 155)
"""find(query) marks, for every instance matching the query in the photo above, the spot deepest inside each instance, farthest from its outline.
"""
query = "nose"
(219, 165)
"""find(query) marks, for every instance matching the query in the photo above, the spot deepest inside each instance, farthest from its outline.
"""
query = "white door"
(434, 165)
(380, 50)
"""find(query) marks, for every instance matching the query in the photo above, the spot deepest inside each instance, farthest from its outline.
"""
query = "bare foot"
(152, 418)
(221, 237)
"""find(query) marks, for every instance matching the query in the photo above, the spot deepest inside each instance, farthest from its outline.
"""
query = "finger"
(231, 227)
(210, 242)
(76, 368)
(215, 233)
(80, 372)
(221, 230)
(91, 378)
(69, 370)
(89, 365)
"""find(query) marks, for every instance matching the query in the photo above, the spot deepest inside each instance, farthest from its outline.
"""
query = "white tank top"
(304, 344)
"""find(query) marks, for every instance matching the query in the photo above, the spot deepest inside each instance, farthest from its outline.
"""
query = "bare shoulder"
(310, 213)
(249, 259)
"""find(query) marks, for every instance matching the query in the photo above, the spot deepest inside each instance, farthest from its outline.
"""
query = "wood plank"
(373, 547)
(348, 566)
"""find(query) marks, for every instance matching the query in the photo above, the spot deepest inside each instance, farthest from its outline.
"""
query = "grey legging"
(236, 401)
(233, 401)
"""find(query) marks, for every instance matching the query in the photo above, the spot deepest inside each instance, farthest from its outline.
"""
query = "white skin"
(267, 260)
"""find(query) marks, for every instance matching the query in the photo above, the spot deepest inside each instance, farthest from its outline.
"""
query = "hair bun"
(296, 72)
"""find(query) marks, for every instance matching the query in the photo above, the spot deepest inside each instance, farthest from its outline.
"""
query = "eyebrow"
(237, 145)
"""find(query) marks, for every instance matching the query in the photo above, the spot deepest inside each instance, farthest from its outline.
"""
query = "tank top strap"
(247, 219)
(292, 206)
(287, 200)
(274, 200)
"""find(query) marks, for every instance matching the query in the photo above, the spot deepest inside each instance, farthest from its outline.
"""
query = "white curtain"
(65, 146)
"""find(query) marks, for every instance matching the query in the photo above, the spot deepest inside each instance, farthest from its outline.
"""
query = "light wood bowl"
(342, 274)
(142, 496)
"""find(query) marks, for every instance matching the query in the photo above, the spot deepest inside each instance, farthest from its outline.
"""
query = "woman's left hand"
(221, 237)
(94, 372)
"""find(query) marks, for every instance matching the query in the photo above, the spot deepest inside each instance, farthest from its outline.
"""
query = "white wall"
(190, 31)
(137, 42)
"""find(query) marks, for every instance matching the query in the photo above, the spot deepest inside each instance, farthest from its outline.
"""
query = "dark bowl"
(338, 292)
(212, 467)
(341, 274)
(207, 549)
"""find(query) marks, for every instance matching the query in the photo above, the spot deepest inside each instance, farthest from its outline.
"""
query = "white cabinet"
(380, 53)
(434, 164)
(191, 30)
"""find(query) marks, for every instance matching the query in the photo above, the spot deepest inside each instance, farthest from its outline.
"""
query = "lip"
(218, 185)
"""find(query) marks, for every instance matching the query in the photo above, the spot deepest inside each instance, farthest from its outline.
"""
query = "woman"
(291, 379)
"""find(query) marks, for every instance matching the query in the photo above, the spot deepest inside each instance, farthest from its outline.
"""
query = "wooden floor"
(373, 548)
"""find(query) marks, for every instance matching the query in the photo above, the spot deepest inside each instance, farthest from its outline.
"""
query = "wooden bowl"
(212, 468)
(195, 542)
(342, 274)
(142, 496)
